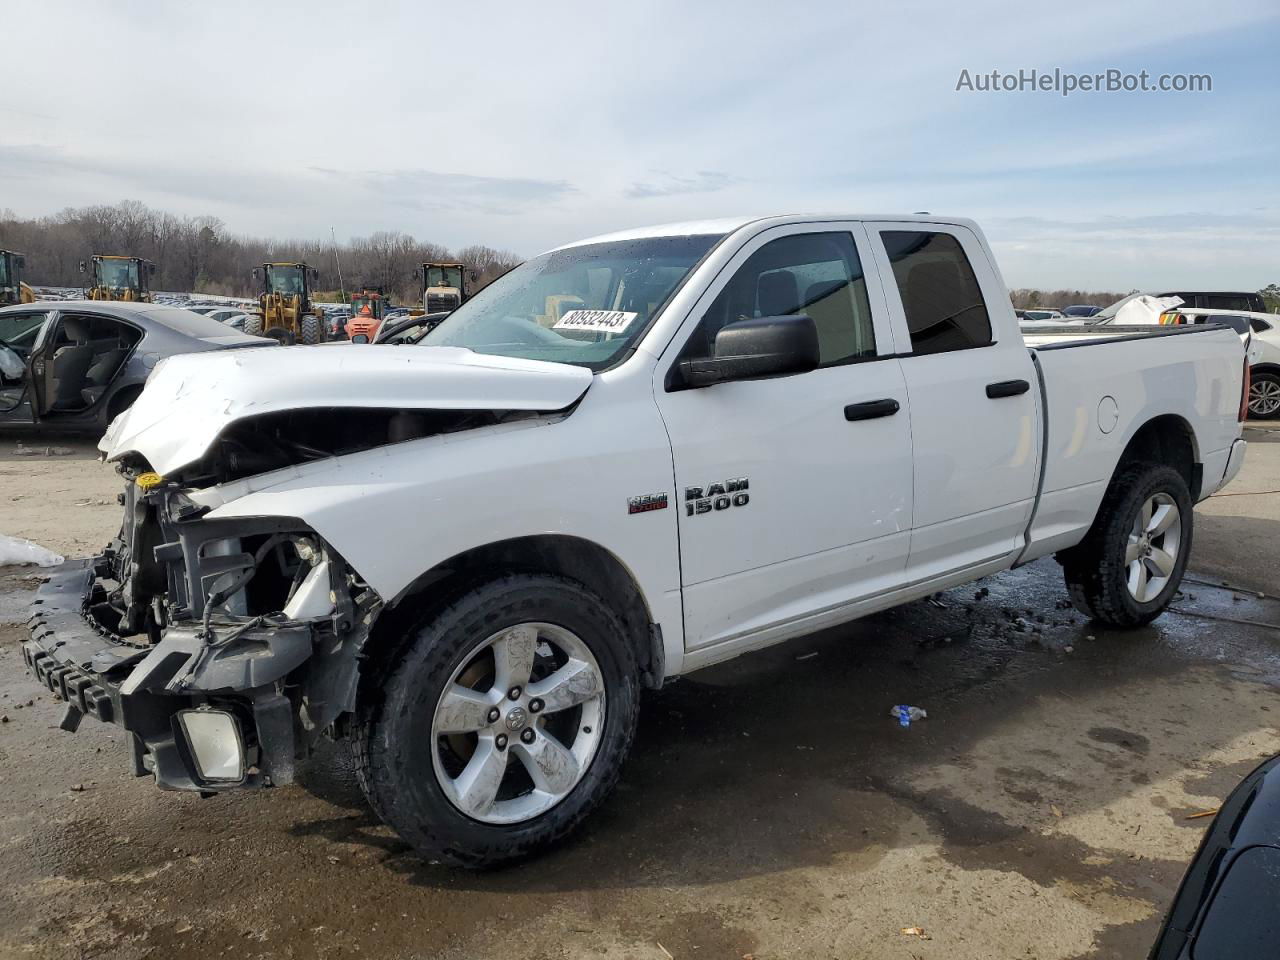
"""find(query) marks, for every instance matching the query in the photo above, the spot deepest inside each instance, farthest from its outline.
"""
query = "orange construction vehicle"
(368, 307)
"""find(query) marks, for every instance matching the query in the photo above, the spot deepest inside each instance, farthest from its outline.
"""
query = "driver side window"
(19, 331)
(814, 274)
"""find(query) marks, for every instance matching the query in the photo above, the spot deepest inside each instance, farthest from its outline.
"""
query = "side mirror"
(762, 347)
(255, 273)
(20, 262)
(151, 269)
(315, 274)
(84, 267)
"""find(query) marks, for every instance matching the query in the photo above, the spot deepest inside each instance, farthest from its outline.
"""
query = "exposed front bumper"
(143, 688)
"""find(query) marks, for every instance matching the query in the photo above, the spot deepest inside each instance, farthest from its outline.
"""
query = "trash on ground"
(917, 932)
(1202, 813)
(22, 451)
(1055, 810)
(905, 714)
(17, 550)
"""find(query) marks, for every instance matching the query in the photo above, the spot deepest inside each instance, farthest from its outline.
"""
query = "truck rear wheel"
(502, 724)
(1128, 567)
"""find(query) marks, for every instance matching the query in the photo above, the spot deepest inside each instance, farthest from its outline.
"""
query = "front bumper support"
(141, 689)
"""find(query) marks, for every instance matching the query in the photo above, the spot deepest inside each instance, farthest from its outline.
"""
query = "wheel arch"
(575, 558)
(123, 395)
(1167, 439)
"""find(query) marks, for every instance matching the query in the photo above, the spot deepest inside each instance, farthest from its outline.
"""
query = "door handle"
(1007, 388)
(871, 409)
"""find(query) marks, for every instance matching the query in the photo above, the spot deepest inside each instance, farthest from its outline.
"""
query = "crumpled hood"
(190, 399)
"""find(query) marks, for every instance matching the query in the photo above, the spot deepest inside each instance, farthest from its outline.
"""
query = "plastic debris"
(917, 932)
(905, 714)
(17, 550)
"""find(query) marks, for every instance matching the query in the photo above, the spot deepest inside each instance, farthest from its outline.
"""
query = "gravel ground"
(771, 807)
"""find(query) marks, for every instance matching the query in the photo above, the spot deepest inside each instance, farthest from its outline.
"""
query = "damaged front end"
(224, 648)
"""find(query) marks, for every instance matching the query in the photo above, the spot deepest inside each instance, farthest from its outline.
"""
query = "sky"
(523, 126)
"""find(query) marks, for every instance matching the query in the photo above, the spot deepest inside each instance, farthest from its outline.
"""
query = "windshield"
(287, 280)
(444, 276)
(584, 305)
(118, 274)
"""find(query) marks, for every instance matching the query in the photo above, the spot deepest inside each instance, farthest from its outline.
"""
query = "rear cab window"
(941, 296)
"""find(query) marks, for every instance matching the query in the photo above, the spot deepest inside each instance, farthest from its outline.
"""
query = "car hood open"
(190, 399)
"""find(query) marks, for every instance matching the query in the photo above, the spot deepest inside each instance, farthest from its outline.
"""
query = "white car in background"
(1046, 315)
(1263, 335)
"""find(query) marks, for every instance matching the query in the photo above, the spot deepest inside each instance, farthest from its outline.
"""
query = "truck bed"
(1093, 400)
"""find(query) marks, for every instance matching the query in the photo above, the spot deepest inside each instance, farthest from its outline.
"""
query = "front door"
(19, 340)
(794, 491)
(974, 397)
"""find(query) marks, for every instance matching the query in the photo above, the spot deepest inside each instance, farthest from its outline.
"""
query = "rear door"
(20, 336)
(794, 491)
(974, 396)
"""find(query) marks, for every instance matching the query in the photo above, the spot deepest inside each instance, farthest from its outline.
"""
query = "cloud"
(670, 185)
(433, 190)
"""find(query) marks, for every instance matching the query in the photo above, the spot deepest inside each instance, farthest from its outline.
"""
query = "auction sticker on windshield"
(607, 321)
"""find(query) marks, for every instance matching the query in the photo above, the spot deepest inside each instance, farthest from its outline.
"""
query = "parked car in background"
(408, 329)
(1260, 330)
(470, 555)
(77, 364)
(1042, 315)
(1080, 311)
(1220, 300)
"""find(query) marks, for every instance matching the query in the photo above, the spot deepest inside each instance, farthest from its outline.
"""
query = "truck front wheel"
(502, 724)
(1129, 566)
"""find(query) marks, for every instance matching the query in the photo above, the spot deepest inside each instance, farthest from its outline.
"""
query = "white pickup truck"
(626, 459)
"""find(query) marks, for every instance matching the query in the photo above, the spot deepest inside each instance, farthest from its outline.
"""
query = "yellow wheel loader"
(285, 311)
(12, 289)
(120, 278)
(444, 286)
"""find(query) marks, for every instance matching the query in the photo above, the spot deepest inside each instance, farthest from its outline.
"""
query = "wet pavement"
(771, 806)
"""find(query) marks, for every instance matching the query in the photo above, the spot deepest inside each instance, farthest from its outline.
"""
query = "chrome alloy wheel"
(1152, 550)
(518, 723)
(1264, 397)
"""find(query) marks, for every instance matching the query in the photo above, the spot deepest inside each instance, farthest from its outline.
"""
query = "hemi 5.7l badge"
(647, 502)
(716, 496)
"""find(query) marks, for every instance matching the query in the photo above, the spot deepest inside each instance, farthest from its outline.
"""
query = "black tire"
(1258, 382)
(1096, 571)
(285, 338)
(253, 325)
(310, 330)
(394, 760)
